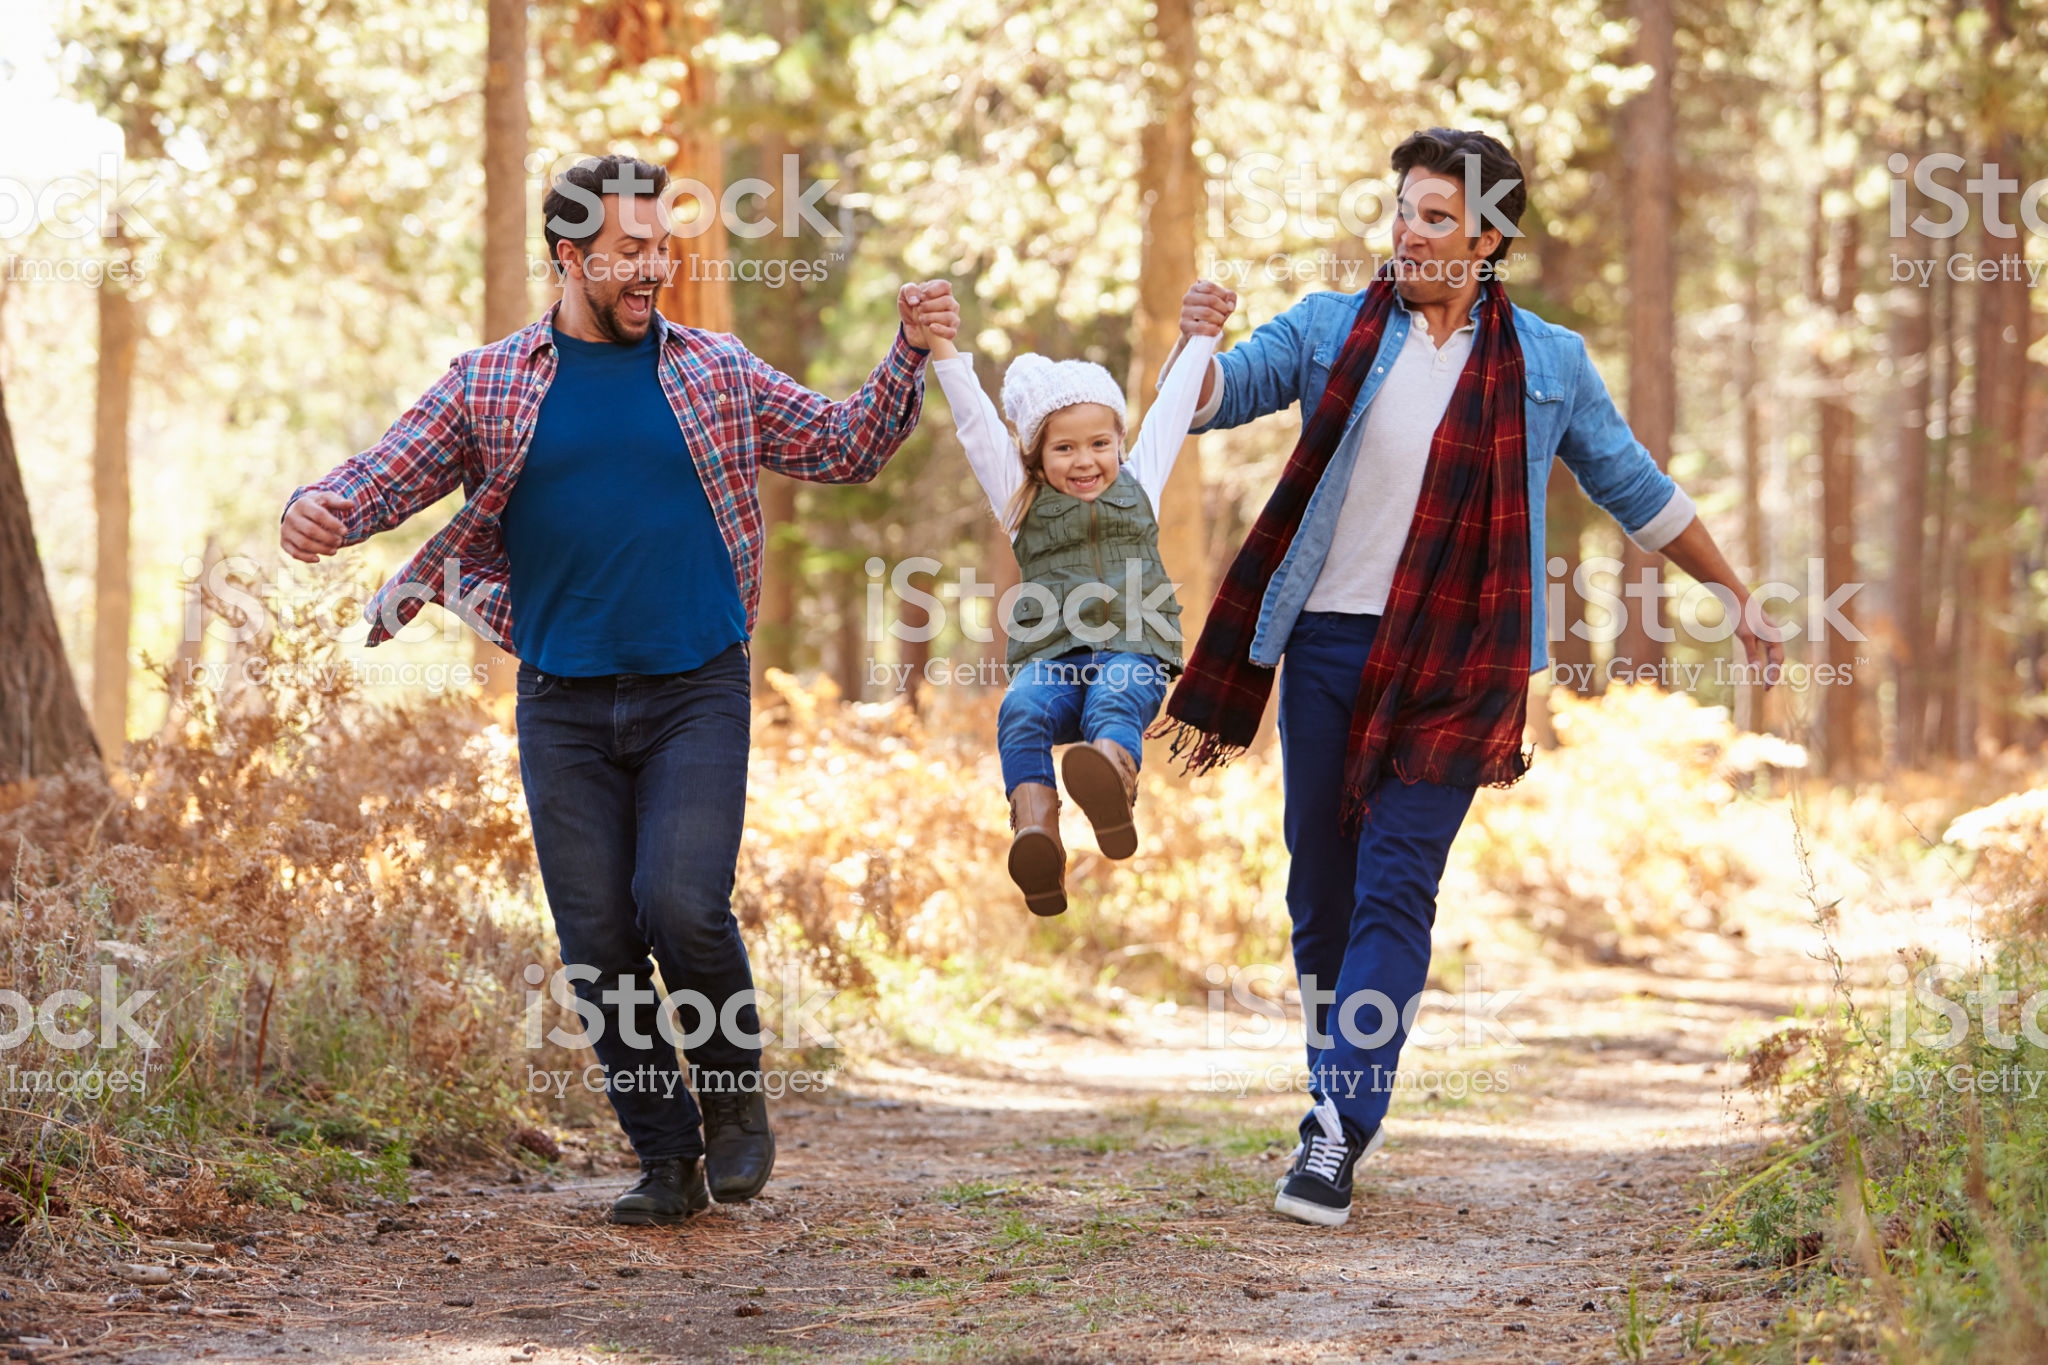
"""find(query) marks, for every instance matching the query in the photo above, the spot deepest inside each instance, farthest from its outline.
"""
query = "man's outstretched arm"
(1694, 551)
(1618, 474)
(808, 436)
(1261, 374)
(416, 464)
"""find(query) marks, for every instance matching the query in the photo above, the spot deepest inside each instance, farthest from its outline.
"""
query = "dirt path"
(1087, 1200)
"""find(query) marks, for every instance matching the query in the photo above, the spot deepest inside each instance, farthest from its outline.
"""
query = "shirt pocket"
(727, 408)
(1315, 375)
(1545, 413)
(496, 431)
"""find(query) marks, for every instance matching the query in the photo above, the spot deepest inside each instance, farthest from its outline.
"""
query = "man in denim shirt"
(1363, 906)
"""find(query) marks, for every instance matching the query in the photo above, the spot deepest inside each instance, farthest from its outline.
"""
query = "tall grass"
(1910, 1209)
(329, 900)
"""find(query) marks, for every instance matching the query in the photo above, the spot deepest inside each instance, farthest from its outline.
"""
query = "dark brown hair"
(1443, 150)
(576, 199)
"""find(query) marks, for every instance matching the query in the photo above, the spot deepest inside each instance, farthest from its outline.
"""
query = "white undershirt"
(1386, 478)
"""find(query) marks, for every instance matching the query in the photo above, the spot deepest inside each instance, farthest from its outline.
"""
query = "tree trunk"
(112, 600)
(1938, 720)
(697, 296)
(1842, 702)
(2004, 331)
(1751, 701)
(777, 335)
(1749, 404)
(507, 306)
(191, 650)
(1912, 344)
(43, 722)
(850, 644)
(1169, 188)
(1652, 367)
(639, 33)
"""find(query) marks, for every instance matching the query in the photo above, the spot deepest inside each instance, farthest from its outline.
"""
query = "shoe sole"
(1098, 789)
(653, 1220)
(1039, 872)
(1302, 1211)
(742, 1196)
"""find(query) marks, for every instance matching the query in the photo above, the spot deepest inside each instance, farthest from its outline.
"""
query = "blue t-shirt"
(617, 563)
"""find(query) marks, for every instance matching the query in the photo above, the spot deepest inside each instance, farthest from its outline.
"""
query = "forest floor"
(1085, 1198)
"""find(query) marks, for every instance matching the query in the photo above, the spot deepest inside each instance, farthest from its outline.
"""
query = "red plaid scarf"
(1444, 695)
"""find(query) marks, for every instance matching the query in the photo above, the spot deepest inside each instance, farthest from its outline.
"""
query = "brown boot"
(1103, 780)
(1038, 862)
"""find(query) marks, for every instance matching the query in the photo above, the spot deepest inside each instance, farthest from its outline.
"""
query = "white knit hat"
(1035, 388)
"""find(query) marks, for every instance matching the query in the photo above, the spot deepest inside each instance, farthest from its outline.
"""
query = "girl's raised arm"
(1166, 423)
(991, 453)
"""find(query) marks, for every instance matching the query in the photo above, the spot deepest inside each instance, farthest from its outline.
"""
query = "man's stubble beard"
(605, 313)
(1416, 290)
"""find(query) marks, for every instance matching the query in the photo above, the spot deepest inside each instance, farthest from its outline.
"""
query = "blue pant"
(1079, 697)
(1362, 908)
(637, 786)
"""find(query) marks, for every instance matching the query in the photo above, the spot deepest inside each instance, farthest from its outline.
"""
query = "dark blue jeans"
(637, 787)
(1362, 908)
(1076, 698)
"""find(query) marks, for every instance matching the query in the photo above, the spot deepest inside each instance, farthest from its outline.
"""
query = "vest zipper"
(1095, 542)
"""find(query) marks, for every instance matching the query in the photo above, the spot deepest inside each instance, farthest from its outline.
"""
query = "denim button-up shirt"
(1566, 409)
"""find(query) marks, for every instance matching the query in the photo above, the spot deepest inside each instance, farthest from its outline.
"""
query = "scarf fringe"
(1195, 749)
(1358, 796)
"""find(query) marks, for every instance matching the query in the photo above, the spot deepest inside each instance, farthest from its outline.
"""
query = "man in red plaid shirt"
(611, 538)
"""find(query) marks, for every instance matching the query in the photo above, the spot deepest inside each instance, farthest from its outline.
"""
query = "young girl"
(1095, 632)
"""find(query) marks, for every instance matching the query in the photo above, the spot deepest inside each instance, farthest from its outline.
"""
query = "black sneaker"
(1317, 1187)
(739, 1149)
(668, 1192)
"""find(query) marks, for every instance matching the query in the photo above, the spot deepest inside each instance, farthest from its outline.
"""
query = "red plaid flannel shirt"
(472, 430)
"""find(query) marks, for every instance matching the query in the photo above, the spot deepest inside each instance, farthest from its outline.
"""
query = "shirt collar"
(1478, 302)
(543, 337)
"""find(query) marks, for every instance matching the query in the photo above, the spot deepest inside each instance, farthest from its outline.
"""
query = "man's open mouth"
(639, 301)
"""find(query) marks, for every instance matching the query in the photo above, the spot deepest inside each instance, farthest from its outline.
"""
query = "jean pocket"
(533, 683)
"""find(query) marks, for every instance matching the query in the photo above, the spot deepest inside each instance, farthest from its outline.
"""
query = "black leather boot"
(668, 1192)
(739, 1149)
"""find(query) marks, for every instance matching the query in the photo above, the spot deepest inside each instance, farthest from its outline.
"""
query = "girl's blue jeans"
(1076, 698)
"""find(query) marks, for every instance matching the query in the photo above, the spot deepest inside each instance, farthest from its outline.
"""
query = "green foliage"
(1913, 1207)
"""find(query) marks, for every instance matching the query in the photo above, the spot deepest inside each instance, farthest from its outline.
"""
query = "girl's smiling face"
(1082, 448)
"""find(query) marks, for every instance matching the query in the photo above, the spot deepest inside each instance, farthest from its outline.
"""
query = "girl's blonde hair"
(1021, 501)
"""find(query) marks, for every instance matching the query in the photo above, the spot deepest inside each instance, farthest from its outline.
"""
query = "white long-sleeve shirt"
(992, 451)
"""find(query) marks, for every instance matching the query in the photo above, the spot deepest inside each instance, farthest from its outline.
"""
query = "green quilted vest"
(1065, 544)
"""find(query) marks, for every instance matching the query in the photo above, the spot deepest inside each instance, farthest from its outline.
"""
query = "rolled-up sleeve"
(1615, 469)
